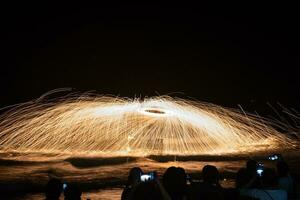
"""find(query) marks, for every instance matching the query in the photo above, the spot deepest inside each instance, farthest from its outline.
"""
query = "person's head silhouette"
(72, 192)
(170, 178)
(251, 166)
(243, 177)
(134, 176)
(282, 169)
(182, 176)
(269, 179)
(210, 174)
(174, 181)
(53, 189)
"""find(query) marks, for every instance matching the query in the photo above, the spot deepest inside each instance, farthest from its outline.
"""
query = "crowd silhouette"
(254, 181)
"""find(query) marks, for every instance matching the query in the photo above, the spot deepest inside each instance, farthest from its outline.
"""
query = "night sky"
(227, 55)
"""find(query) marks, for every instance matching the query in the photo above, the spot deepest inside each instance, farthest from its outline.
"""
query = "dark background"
(228, 55)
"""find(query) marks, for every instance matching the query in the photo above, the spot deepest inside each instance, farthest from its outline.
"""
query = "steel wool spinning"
(112, 126)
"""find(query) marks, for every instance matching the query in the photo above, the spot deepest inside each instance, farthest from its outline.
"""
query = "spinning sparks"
(111, 126)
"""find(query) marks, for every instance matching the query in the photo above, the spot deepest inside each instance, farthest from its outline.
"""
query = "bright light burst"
(85, 124)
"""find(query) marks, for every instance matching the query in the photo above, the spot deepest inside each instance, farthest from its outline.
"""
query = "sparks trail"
(83, 124)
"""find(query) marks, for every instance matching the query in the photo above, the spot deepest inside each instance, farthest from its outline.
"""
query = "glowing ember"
(115, 126)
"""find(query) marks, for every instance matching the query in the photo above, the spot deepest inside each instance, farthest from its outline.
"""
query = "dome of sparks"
(115, 126)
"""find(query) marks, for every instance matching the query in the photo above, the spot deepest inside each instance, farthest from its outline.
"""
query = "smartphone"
(260, 169)
(65, 186)
(148, 177)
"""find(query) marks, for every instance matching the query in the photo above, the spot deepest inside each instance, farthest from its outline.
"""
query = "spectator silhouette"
(243, 182)
(210, 188)
(247, 179)
(251, 167)
(182, 179)
(147, 191)
(72, 192)
(53, 189)
(243, 178)
(134, 178)
(269, 190)
(174, 182)
(285, 181)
